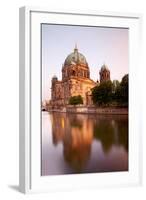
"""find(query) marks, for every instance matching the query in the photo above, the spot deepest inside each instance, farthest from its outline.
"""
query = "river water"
(83, 143)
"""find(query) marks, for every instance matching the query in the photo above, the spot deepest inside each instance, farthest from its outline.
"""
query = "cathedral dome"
(75, 58)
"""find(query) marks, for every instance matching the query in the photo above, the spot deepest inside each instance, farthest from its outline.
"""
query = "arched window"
(73, 73)
(81, 73)
(86, 74)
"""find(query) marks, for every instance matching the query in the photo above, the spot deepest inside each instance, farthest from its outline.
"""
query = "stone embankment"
(90, 109)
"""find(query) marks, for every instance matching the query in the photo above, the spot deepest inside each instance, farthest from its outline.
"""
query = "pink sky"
(98, 44)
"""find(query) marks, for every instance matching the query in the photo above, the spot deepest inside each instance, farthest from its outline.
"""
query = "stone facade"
(75, 80)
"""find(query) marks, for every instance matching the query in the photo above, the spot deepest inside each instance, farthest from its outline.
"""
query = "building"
(75, 80)
(104, 74)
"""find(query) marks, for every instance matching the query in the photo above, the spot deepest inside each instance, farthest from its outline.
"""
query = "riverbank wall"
(89, 110)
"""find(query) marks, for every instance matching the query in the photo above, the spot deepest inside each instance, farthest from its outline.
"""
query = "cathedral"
(75, 80)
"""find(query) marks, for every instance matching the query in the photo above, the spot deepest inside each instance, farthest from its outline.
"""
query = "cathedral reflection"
(76, 132)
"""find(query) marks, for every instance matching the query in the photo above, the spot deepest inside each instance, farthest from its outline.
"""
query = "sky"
(100, 45)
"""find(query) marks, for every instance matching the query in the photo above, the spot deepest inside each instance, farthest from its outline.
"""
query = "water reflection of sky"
(77, 143)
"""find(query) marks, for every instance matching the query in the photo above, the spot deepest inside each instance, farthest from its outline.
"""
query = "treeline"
(110, 93)
(75, 100)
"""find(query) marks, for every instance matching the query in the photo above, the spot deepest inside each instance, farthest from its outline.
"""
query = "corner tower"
(104, 74)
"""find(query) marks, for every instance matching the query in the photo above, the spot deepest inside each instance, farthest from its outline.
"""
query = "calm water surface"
(83, 143)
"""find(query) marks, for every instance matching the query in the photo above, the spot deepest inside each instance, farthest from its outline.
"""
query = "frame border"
(25, 185)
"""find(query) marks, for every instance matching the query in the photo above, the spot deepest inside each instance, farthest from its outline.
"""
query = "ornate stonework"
(75, 81)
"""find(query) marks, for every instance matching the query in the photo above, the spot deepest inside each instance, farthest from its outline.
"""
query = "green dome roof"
(75, 58)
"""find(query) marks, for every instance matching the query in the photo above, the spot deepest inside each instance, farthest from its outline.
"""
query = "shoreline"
(90, 110)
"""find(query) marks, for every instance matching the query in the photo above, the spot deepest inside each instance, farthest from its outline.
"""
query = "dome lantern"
(75, 49)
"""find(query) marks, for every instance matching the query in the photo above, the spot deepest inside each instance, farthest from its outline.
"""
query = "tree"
(121, 93)
(116, 84)
(102, 94)
(75, 100)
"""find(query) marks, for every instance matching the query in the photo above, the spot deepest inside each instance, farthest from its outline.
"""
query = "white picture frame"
(29, 160)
